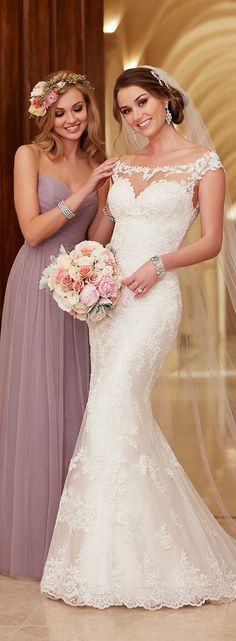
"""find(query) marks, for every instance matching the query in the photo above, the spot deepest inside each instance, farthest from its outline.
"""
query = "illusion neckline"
(209, 152)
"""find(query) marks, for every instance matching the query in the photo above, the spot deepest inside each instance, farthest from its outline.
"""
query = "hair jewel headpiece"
(160, 80)
(46, 92)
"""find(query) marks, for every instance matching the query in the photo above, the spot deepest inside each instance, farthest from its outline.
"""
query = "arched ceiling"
(195, 41)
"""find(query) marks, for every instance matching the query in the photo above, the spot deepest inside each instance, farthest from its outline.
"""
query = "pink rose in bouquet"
(95, 277)
(85, 282)
(107, 287)
(86, 251)
(66, 283)
(85, 271)
(89, 295)
(111, 258)
(60, 273)
(77, 285)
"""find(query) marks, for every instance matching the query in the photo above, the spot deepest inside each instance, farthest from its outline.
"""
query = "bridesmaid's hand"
(142, 280)
(100, 175)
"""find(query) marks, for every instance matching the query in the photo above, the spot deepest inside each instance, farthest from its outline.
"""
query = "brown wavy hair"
(91, 140)
(142, 77)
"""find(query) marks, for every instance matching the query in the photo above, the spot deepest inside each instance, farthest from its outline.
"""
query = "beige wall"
(195, 40)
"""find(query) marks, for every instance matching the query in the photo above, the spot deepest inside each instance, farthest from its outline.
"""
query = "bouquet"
(85, 282)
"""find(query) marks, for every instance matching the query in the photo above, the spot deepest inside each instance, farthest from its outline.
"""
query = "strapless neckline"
(56, 179)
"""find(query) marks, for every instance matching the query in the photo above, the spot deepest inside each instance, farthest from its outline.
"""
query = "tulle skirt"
(44, 378)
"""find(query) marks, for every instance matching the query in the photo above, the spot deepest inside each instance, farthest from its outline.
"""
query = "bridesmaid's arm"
(101, 229)
(35, 227)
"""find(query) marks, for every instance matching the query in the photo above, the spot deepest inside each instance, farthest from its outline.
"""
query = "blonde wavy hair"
(91, 141)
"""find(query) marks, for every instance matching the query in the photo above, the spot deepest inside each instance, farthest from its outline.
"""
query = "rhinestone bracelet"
(159, 267)
(108, 215)
(65, 209)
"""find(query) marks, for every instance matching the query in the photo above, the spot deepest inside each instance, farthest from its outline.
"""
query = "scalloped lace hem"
(111, 601)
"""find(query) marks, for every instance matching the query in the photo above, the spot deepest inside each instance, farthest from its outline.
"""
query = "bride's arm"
(211, 195)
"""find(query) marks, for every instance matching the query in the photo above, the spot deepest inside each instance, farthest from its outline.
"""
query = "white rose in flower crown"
(38, 89)
(60, 84)
(37, 111)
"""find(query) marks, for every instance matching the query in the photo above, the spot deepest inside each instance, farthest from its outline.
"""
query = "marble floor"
(27, 616)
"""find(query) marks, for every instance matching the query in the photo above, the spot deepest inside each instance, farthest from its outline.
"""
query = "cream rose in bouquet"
(85, 282)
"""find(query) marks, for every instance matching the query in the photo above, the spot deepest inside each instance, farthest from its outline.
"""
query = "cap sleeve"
(209, 162)
(115, 171)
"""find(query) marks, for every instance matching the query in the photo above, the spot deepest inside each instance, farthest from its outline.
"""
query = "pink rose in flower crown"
(66, 283)
(50, 98)
(59, 274)
(85, 271)
(89, 295)
(107, 288)
(36, 102)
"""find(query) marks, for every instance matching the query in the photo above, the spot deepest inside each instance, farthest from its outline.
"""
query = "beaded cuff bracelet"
(159, 267)
(65, 209)
(108, 215)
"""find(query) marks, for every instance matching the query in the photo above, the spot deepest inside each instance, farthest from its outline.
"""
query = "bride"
(131, 529)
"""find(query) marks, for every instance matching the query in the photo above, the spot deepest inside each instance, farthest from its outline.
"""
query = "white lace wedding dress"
(131, 528)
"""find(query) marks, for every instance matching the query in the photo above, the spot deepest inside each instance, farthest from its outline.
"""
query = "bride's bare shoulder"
(192, 152)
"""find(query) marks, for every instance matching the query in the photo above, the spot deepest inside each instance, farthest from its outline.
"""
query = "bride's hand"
(100, 175)
(142, 280)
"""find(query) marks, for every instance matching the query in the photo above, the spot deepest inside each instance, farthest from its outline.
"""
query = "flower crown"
(46, 92)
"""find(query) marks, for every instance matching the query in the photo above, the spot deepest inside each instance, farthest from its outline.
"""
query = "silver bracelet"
(159, 267)
(65, 209)
(108, 215)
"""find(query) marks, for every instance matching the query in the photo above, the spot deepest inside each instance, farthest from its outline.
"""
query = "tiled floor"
(27, 616)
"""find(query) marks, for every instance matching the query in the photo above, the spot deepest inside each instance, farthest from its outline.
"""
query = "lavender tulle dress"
(44, 379)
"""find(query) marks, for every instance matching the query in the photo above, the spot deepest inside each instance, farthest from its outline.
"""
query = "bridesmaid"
(44, 353)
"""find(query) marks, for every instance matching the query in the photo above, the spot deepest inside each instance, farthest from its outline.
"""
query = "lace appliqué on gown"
(131, 528)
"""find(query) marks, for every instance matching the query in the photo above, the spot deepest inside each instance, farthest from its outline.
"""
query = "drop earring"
(168, 115)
